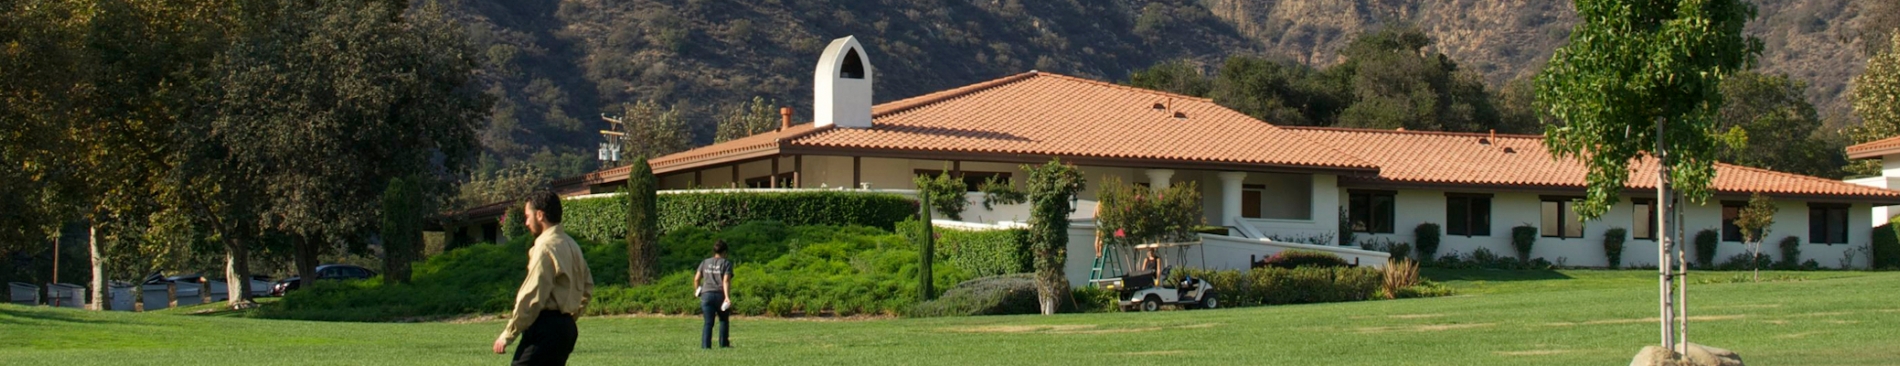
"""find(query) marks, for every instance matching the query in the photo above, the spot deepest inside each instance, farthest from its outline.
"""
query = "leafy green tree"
(1640, 79)
(404, 209)
(747, 119)
(643, 224)
(1396, 83)
(1178, 76)
(946, 193)
(1755, 220)
(1280, 92)
(1877, 101)
(653, 130)
(316, 106)
(1052, 188)
(1778, 125)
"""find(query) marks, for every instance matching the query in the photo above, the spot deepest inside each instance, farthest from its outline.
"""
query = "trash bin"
(157, 296)
(23, 293)
(65, 295)
(121, 296)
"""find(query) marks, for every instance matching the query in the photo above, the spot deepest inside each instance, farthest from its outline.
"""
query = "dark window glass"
(1730, 212)
(1644, 219)
(1371, 212)
(1468, 215)
(1827, 224)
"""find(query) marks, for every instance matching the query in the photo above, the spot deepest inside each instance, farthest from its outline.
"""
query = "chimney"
(785, 118)
(841, 85)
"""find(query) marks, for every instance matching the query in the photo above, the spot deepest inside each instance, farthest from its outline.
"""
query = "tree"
(1281, 93)
(747, 119)
(317, 106)
(1777, 124)
(643, 224)
(1052, 188)
(1639, 79)
(1877, 102)
(1396, 83)
(1178, 76)
(1755, 221)
(946, 194)
(653, 131)
(403, 211)
(926, 241)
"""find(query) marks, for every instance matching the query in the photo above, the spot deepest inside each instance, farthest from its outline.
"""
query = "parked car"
(324, 272)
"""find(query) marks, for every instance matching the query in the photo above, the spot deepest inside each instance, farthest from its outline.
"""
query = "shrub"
(994, 295)
(810, 269)
(514, 225)
(1613, 245)
(605, 218)
(1427, 236)
(982, 253)
(1740, 262)
(1298, 258)
(1399, 274)
(1790, 253)
(1097, 300)
(1275, 286)
(947, 195)
(1886, 248)
(1705, 245)
(1522, 237)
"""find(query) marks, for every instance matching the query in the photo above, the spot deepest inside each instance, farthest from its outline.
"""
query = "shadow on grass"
(11, 314)
(1442, 275)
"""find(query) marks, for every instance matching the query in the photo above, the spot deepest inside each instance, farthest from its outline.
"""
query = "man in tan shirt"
(556, 291)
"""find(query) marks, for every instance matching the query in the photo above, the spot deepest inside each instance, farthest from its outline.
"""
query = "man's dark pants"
(709, 304)
(548, 341)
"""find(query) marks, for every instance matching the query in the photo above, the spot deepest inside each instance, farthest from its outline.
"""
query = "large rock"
(1698, 355)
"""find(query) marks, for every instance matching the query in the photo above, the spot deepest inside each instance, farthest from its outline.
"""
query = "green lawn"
(1500, 318)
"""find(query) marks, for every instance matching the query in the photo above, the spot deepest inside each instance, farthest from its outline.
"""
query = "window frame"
(1731, 212)
(1566, 216)
(1640, 208)
(1470, 227)
(1822, 227)
(1371, 216)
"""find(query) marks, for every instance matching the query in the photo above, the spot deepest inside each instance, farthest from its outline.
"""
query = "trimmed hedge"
(1427, 236)
(781, 271)
(1276, 286)
(1613, 246)
(982, 253)
(995, 295)
(1296, 258)
(1886, 247)
(605, 218)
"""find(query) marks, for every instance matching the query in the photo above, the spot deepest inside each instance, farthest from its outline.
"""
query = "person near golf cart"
(1151, 263)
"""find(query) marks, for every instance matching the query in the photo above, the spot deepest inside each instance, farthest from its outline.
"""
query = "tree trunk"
(306, 258)
(237, 273)
(99, 299)
(1665, 242)
(926, 251)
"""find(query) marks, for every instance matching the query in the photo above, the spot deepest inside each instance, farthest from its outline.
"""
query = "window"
(1250, 200)
(971, 180)
(784, 181)
(1827, 224)
(1560, 218)
(1467, 214)
(1732, 210)
(1370, 211)
(1644, 218)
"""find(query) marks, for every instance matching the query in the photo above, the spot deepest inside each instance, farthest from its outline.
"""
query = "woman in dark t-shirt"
(714, 278)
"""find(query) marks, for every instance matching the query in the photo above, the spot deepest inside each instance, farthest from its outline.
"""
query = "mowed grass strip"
(1504, 318)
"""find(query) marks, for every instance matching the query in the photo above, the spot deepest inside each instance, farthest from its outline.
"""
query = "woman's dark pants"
(709, 303)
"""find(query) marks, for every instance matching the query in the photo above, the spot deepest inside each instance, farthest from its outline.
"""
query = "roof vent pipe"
(785, 118)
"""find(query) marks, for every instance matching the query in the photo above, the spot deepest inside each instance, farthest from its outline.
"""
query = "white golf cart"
(1148, 288)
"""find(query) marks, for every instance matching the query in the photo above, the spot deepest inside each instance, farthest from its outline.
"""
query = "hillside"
(559, 64)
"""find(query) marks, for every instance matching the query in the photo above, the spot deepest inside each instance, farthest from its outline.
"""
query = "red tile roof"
(1878, 148)
(1522, 161)
(1039, 113)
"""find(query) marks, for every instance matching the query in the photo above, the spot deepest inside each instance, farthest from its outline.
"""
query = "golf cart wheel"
(1208, 301)
(1151, 303)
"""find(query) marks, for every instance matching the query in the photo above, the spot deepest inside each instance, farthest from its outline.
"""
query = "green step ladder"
(1109, 261)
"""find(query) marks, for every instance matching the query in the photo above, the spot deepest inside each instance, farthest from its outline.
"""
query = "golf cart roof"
(1166, 245)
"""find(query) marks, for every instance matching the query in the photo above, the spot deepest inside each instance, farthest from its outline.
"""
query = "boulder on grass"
(1698, 355)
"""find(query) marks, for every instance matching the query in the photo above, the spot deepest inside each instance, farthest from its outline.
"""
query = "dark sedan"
(324, 272)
